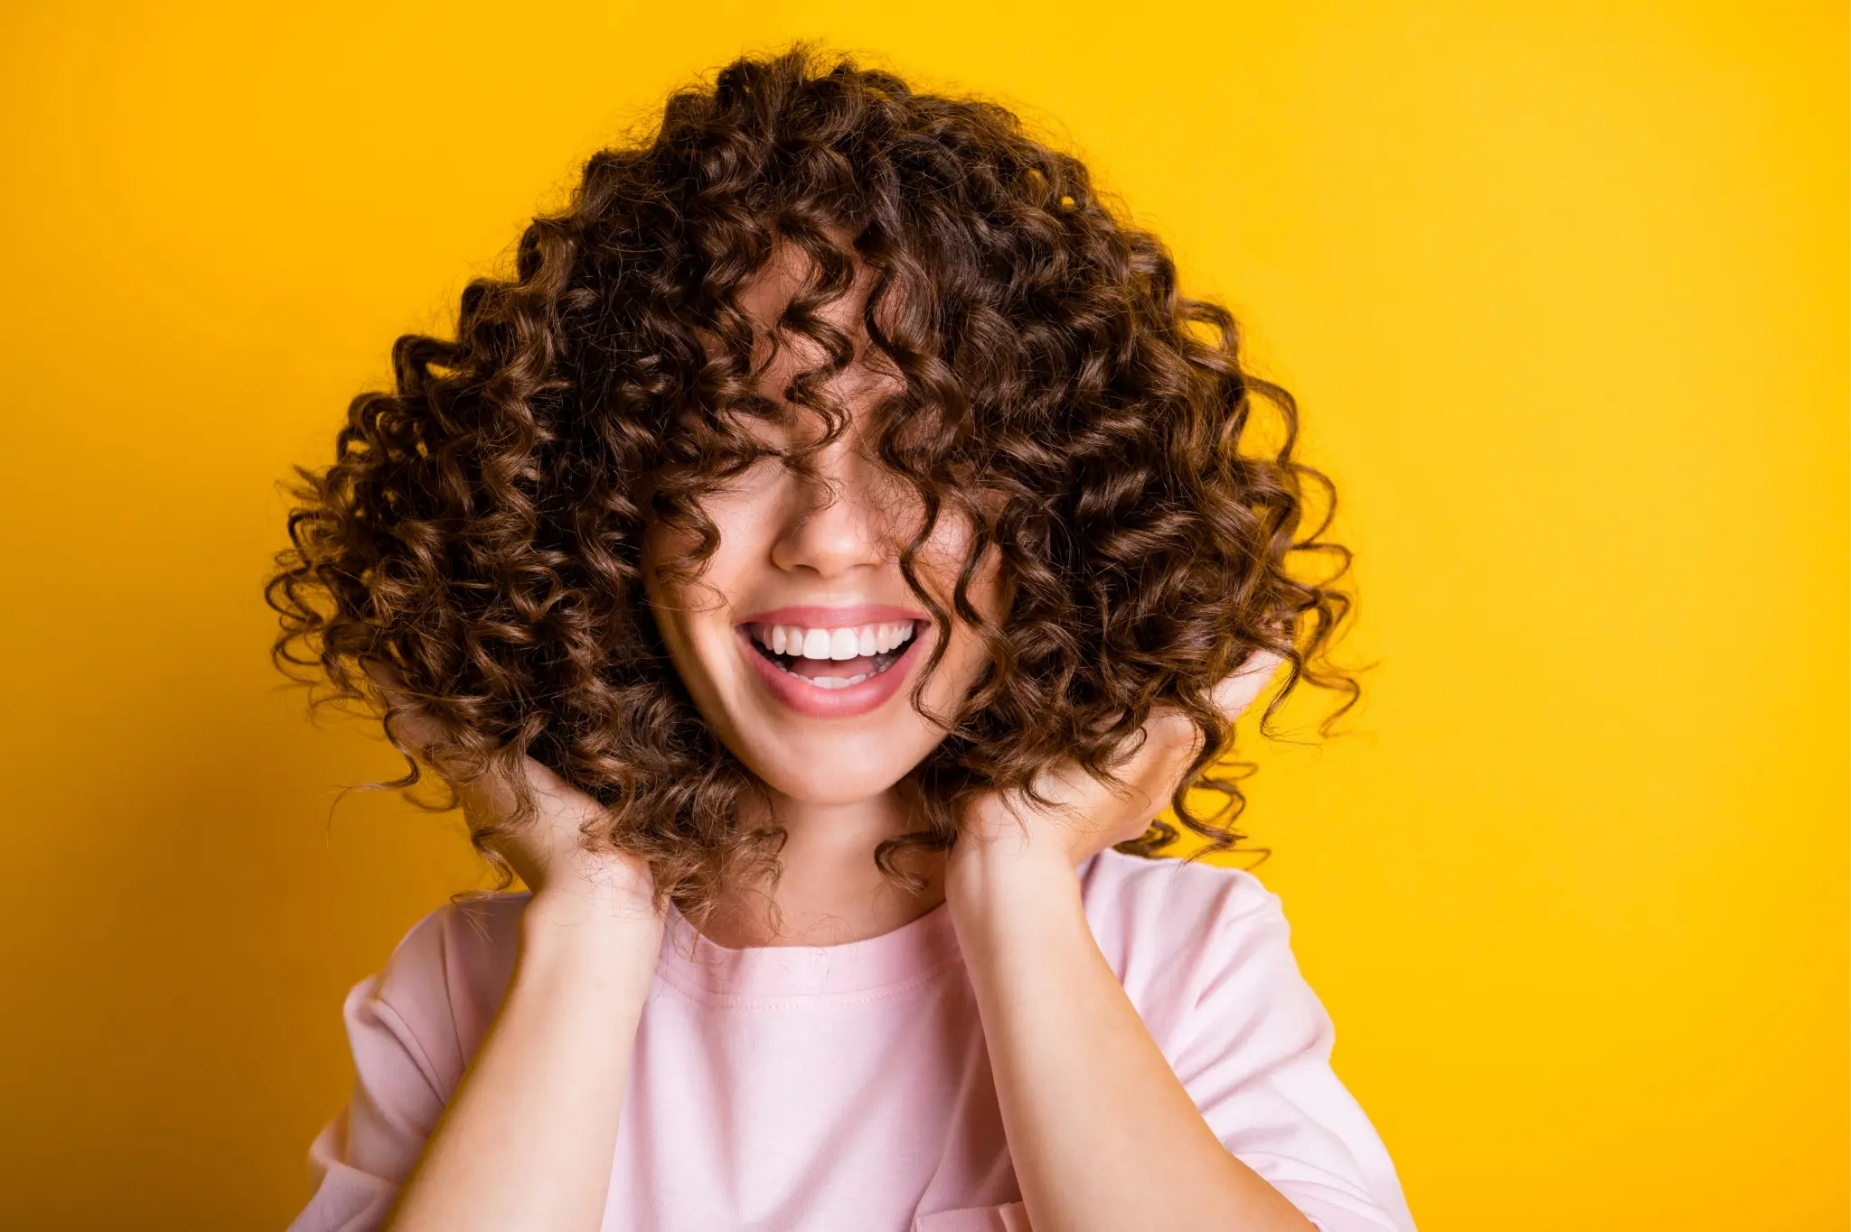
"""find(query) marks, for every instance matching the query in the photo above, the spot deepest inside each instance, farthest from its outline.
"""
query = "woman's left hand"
(1084, 1090)
(1090, 816)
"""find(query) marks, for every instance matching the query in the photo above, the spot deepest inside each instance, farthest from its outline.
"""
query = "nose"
(832, 525)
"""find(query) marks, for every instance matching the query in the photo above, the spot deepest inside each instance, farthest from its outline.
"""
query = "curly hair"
(481, 526)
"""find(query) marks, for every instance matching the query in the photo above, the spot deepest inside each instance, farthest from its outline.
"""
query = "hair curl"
(480, 528)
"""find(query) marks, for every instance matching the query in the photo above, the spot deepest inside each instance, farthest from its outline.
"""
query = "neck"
(830, 892)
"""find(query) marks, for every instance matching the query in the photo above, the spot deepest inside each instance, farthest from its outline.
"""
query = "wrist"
(1002, 879)
(597, 890)
(606, 931)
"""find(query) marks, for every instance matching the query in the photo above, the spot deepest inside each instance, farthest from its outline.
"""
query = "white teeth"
(862, 641)
(834, 682)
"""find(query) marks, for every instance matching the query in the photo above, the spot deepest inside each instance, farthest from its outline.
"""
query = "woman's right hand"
(549, 853)
(527, 1136)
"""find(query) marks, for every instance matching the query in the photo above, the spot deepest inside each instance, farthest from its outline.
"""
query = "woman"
(812, 573)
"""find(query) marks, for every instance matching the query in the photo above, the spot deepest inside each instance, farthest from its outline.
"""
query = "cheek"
(665, 595)
(942, 562)
(965, 652)
(668, 553)
(680, 605)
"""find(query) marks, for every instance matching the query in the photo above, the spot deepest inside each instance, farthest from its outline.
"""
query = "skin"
(1101, 1133)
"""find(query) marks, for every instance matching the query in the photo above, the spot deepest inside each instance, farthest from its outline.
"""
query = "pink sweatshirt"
(846, 1088)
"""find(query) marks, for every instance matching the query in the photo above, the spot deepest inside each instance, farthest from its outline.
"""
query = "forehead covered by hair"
(984, 275)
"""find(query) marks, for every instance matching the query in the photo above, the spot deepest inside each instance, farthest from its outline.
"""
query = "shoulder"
(1173, 930)
(412, 1028)
(1135, 902)
(445, 979)
(1205, 954)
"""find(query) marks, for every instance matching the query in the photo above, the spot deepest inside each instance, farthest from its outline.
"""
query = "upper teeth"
(852, 643)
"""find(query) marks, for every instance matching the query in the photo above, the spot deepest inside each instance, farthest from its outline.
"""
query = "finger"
(1233, 695)
(1172, 734)
(415, 727)
(386, 677)
(1173, 741)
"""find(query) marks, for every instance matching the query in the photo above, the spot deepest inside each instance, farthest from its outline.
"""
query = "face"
(801, 641)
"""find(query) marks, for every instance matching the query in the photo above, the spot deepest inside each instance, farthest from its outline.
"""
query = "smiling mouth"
(834, 658)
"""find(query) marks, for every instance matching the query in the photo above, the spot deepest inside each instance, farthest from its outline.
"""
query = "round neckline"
(882, 965)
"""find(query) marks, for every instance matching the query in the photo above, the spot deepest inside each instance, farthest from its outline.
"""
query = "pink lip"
(856, 699)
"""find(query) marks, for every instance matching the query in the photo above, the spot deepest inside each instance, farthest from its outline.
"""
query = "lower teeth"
(835, 682)
(838, 682)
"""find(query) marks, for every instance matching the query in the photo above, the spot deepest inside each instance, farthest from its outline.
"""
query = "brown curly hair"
(479, 530)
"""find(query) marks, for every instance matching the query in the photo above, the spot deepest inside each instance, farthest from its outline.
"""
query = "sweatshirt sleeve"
(1254, 1053)
(406, 1061)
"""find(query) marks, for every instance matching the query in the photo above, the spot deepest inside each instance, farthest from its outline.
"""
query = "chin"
(834, 779)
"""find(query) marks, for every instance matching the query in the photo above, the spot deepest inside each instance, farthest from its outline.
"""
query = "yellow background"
(1563, 290)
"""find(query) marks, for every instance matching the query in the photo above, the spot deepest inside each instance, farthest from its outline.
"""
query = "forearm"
(528, 1138)
(1102, 1134)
